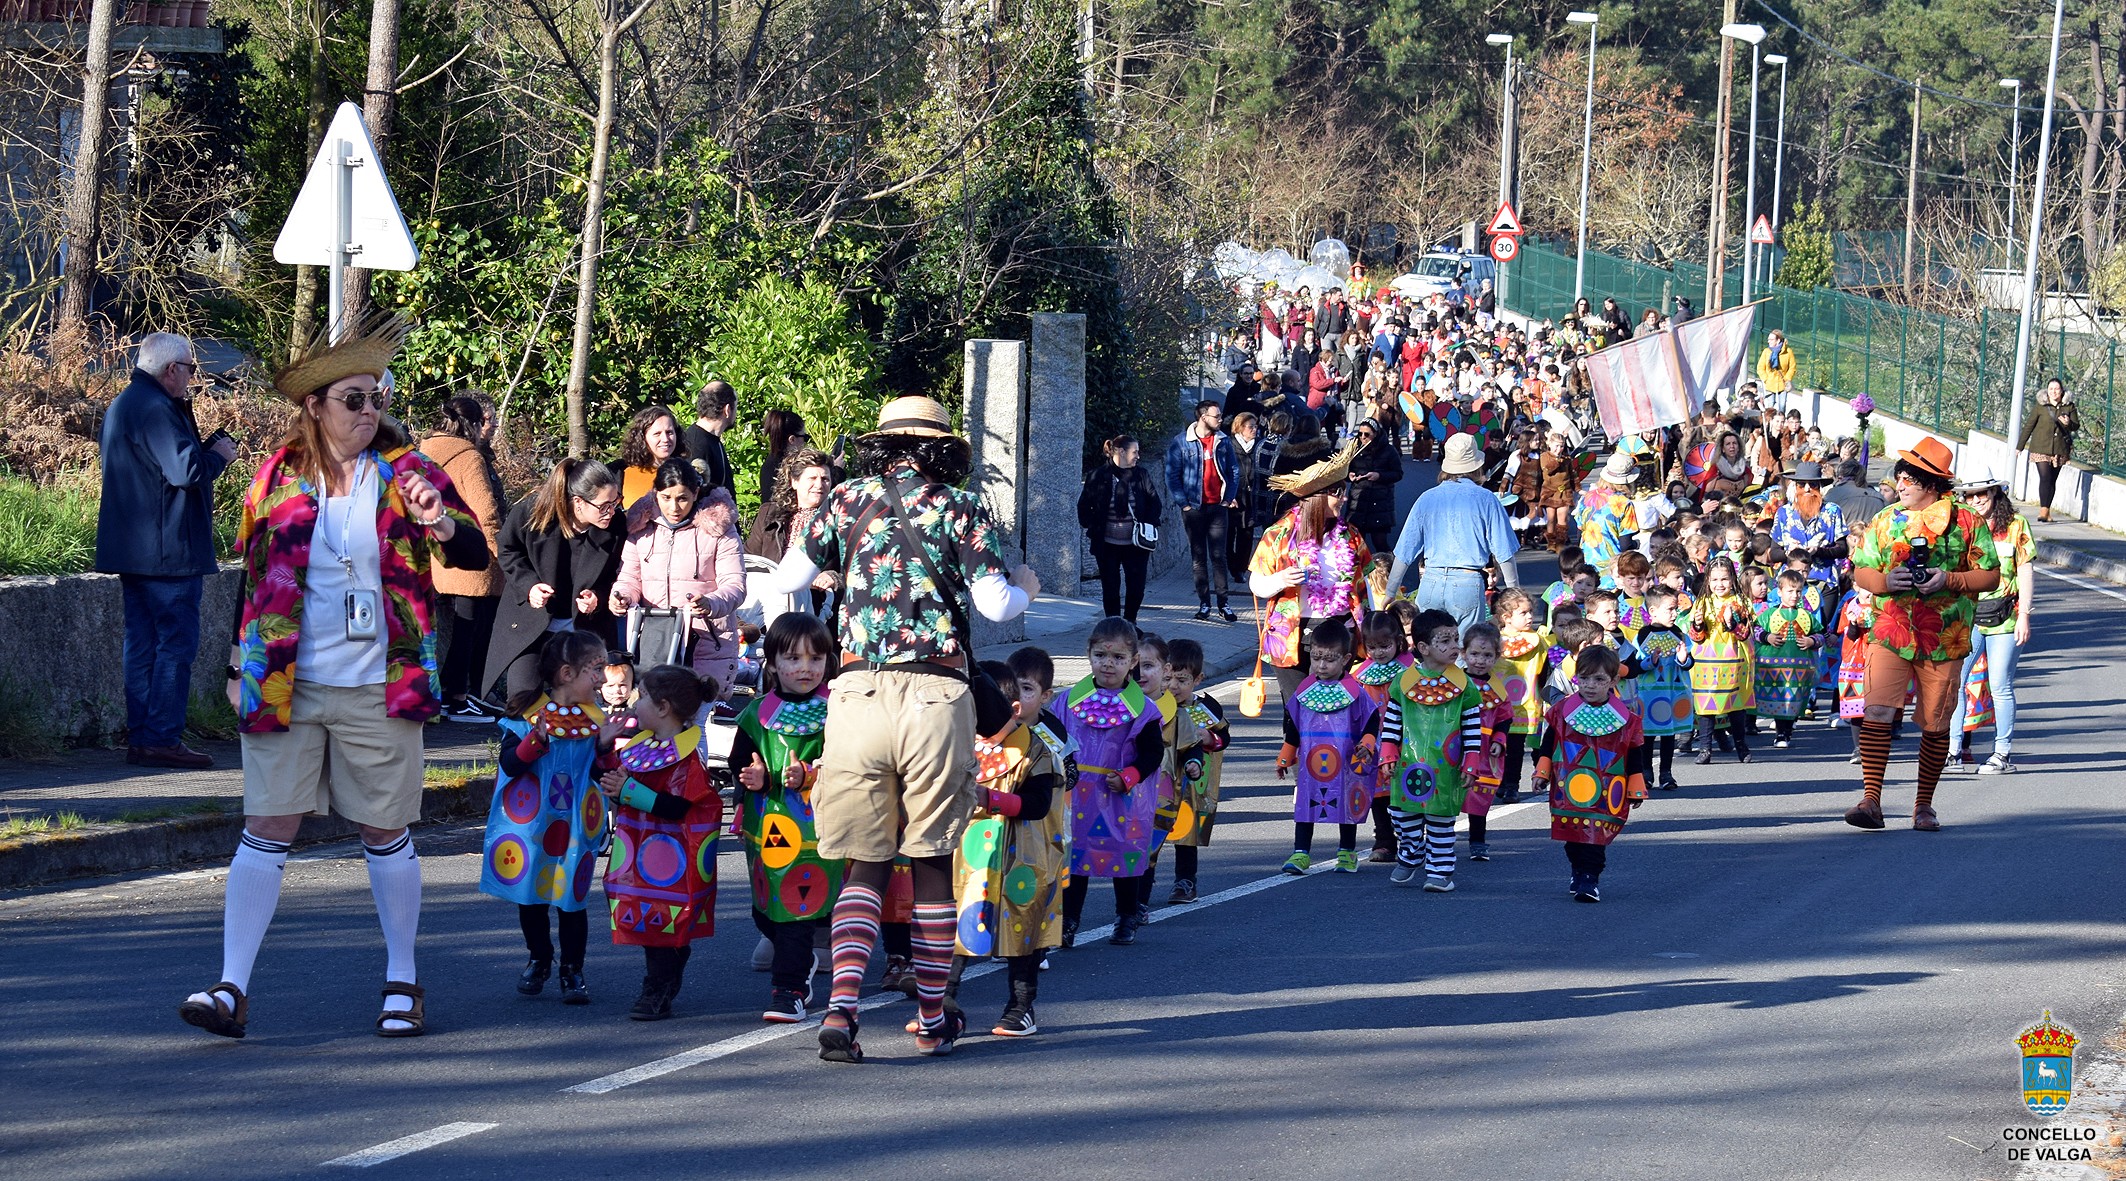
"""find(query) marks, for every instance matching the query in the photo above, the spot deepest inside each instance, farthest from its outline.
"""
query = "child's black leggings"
(1516, 752)
(1738, 724)
(1668, 756)
(575, 934)
(1303, 837)
(667, 965)
(1587, 859)
(1127, 897)
(1184, 863)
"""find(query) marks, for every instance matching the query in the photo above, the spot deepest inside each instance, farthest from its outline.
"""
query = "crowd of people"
(1722, 577)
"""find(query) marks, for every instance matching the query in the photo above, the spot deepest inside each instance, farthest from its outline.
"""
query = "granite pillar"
(1055, 446)
(994, 413)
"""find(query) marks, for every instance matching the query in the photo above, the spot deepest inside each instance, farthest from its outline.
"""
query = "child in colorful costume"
(661, 879)
(547, 823)
(1115, 729)
(1387, 659)
(1787, 638)
(1663, 658)
(1331, 737)
(1593, 762)
(1722, 674)
(1482, 767)
(1202, 768)
(1434, 720)
(1524, 653)
(781, 735)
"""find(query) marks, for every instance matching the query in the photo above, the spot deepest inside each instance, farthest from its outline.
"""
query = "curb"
(2052, 553)
(104, 849)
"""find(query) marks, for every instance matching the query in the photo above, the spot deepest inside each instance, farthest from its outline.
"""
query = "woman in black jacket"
(1374, 471)
(1117, 497)
(560, 551)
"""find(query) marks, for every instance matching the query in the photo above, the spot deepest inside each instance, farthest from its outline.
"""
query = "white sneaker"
(1997, 765)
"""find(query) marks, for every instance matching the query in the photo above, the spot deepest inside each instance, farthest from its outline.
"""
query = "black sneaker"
(1125, 931)
(1587, 892)
(533, 981)
(785, 1007)
(655, 1003)
(1016, 1022)
(573, 990)
(1226, 613)
(1184, 891)
(1203, 615)
(1070, 933)
(1669, 785)
(1742, 755)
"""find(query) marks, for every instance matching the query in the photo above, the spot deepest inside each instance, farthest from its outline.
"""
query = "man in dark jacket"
(155, 530)
(715, 412)
(1202, 480)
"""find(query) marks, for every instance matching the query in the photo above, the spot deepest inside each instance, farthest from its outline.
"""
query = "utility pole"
(1716, 235)
(1912, 190)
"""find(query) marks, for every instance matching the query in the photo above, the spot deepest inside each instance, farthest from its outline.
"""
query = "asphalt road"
(1763, 993)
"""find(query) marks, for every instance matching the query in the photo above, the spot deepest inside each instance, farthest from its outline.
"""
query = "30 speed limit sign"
(1503, 248)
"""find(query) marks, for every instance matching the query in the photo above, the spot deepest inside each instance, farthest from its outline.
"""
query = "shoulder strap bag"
(992, 709)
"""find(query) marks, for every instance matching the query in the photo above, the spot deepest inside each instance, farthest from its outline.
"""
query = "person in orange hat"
(1925, 559)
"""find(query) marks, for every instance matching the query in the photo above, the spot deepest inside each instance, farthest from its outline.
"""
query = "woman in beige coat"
(466, 599)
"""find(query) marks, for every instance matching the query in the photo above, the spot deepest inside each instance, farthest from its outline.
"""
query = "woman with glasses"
(2001, 625)
(560, 554)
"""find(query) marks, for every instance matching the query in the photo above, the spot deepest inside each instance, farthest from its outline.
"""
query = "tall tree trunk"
(378, 97)
(611, 27)
(84, 198)
(308, 279)
(1716, 233)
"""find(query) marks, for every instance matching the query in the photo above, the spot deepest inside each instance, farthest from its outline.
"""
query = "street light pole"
(1778, 156)
(1508, 150)
(1754, 34)
(1579, 267)
(2015, 154)
(2037, 226)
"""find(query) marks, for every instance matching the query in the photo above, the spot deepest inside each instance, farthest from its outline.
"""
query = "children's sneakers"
(655, 1003)
(900, 975)
(1479, 851)
(1587, 892)
(1298, 863)
(785, 1007)
(1184, 891)
(573, 989)
(1670, 784)
(1347, 861)
(1438, 884)
(1402, 875)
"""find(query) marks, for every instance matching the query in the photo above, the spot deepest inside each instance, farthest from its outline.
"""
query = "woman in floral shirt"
(1926, 560)
(2007, 606)
(1310, 565)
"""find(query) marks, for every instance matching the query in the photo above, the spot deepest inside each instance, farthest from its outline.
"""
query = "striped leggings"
(1426, 839)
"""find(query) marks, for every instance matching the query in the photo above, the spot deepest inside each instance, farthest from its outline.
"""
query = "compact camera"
(361, 615)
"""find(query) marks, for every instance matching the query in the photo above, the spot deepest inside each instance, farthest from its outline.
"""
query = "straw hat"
(369, 346)
(1621, 470)
(914, 415)
(1319, 476)
(1461, 456)
(1931, 455)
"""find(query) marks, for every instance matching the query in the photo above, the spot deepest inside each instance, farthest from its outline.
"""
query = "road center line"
(762, 1036)
(394, 1149)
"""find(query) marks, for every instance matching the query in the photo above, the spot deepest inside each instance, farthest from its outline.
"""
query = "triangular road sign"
(1506, 220)
(1761, 232)
(376, 231)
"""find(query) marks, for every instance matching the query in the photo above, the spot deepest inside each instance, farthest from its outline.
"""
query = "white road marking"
(760, 1037)
(2085, 584)
(394, 1149)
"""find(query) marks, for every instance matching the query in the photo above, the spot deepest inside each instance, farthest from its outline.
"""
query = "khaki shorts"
(338, 754)
(1890, 678)
(897, 774)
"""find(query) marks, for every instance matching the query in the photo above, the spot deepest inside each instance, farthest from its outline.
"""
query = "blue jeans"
(1459, 593)
(161, 640)
(2000, 653)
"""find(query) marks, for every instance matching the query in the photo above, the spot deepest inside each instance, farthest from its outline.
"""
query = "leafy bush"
(49, 528)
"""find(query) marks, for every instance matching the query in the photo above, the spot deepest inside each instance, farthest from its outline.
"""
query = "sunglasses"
(356, 400)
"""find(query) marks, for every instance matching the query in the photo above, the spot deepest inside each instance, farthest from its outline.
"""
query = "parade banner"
(1663, 379)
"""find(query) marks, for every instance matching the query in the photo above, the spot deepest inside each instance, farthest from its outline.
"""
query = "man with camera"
(1926, 559)
(154, 530)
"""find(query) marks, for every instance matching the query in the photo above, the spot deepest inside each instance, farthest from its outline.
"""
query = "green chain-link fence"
(1946, 374)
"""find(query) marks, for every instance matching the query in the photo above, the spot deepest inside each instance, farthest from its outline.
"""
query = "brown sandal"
(415, 1018)
(214, 1015)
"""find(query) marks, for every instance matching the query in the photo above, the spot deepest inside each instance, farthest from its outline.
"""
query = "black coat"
(156, 516)
(1373, 501)
(589, 560)
(1117, 494)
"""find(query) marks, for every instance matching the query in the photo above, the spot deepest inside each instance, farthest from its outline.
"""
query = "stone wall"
(61, 649)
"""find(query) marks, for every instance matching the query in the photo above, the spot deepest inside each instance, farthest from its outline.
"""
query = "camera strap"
(343, 552)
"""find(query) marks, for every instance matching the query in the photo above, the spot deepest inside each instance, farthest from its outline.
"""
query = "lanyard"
(342, 552)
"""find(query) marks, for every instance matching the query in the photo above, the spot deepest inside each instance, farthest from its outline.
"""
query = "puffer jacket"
(667, 565)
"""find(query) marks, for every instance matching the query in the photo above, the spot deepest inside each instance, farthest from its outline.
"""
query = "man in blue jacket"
(155, 531)
(1202, 481)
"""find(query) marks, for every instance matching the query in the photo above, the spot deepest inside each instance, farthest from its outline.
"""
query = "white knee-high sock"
(254, 892)
(395, 880)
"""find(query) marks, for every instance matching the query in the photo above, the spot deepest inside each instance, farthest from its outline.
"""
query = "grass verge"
(17, 827)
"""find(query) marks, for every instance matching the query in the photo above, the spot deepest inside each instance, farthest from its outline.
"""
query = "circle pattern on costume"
(508, 860)
(1184, 821)
(1659, 712)
(780, 840)
(1582, 787)
(705, 859)
(978, 928)
(554, 840)
(660, 861)
(586, 873)
(804, 890)
(979, 846)
(552, 883)
(1418, 783)
(1516, 689)
(520, 800)
(1358, 796)
(623, 853)
(1614, 790)
(593, 816)
(561, 793)
(1021, 884)
(1324, 762)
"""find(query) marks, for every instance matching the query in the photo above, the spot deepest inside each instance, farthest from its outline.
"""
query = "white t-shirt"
(323, 653)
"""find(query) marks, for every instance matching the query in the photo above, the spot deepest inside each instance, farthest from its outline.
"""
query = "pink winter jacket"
(667, 566)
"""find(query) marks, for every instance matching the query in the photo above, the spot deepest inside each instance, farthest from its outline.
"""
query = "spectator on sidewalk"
(2048, 434)
(716, 409)
(466, 599)
(1375, 471)
(154, 530)
(807, 476)
(785, 432)
(332, 667)
(1857, 502)
(683, 551)
(1775, 368)
(1455, 531)
(1248, 452)
(1201, 481)
(652, 438)
(1116, 498)
(560, 552)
